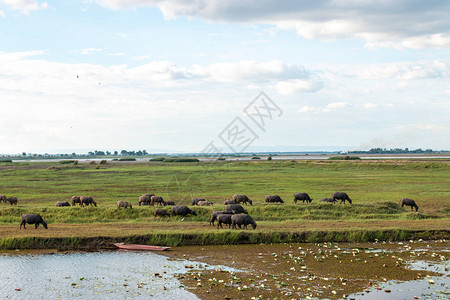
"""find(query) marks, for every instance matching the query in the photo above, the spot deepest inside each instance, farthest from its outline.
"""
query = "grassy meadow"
(376, 188)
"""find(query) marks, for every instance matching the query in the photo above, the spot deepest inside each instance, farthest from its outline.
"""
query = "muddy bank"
(216, 238)
(292, 271)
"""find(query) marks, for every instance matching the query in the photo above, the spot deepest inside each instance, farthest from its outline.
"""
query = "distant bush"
(344, 157)
(75, 162)
(103, 162)
(269, 158)
(127, 159)
(5, 161)
(181, 160)
(157, 159)
(92, 162)
(115, 159)
(67, 162)
(256, 157)
(221, 158)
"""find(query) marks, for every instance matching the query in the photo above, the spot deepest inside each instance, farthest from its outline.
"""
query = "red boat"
(140, 247)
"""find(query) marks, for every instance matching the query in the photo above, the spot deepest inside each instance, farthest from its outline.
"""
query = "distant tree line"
(394, 151)
(90, 154)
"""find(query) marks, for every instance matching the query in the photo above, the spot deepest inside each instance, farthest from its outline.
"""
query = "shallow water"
(95, 275)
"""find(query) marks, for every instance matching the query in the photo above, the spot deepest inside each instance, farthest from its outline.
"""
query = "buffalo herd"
(234, 215)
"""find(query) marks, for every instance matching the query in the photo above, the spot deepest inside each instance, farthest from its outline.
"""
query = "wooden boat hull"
(140, 247)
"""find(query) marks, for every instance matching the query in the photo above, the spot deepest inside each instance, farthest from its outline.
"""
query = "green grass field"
(376, 188)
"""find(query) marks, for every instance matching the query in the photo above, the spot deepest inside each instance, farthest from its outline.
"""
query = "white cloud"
(398, 24)
(298, 85)
(87, 51)
(25, 6)
(2, 14)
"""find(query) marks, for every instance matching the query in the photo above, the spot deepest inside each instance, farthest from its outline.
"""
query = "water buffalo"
(329, 200)
(273, 199)
(204, 203)
(196, 200)
(156, 200)
(410, 202)
(237, 208)
(145, 199)
(12, 200)
(62, 203)
(214, 215)
(223, 219)
(239, 220)
(226, 202)
(161, 212)
(242, 198)
(75, 200)
(124, 204)
(35, 219)
(167, 203)
(3, 198)
(302, 197)
(87, 201)
(182, 211)
(341, 196)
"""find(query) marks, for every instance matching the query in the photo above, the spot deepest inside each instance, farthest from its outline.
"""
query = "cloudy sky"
(174, 75)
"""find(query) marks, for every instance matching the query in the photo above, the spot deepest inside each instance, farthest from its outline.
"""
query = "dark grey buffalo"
(195, 201)
(237, 208)
(224, 219)
(226, 202)
(302, 197)
(145, 199)
(161, 212)
(341, 196)
(410, 202)
(87, 201)
(242, 198)
(214, 215)
(329, 200)
(76, 200)
(124, 204)
(157, 200)
(274, 199)
(12, 200)
(3, 198)
(35, 219)
(182, 211)
(242, 220)
(62, 203)
(167, 203)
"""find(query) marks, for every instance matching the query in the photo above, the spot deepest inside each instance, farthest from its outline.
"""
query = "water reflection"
(98, 275)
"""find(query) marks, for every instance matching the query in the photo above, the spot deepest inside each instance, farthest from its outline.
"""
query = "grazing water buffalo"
(157, 200)
(410, 202)
(330, 200)
(182, 211)
(195, 201)
(227, 202)
(3, 198)
(239, 220)
(161, 212)
(167, 203)
(87, 201)
(62, 203)
(237, 208)
(75, 200)
(223, 219)
(341, 196)
(145, 199)
(242, 198)
(214, 215)
(274, 199)
(124, 204)
(12, 200)
(302, 197)
(204, 203)
(35, 219)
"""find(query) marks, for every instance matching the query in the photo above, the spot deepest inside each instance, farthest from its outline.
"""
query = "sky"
(225, 76)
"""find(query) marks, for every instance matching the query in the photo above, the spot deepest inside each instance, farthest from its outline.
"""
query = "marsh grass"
(375, 187)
